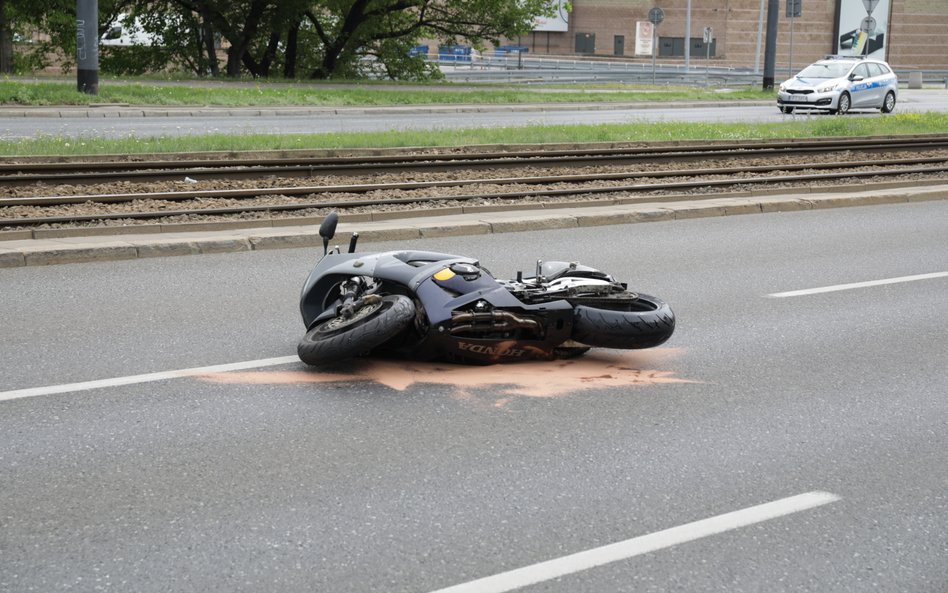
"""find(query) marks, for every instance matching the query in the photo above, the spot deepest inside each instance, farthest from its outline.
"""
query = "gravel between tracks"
(94, 209)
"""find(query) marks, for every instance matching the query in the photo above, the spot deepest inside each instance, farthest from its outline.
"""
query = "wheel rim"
(337, 323)
(843, 103)
(889, 102)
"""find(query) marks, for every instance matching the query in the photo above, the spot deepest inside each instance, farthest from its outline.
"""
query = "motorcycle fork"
(352, 297)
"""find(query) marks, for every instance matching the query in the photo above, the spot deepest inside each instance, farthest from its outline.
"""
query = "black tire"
(370, 327)
(568, 352)
(645, 323)
(786, 109)
(888, 104)
(843, 104)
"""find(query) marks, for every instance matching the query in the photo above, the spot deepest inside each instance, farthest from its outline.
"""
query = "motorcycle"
(437, 306)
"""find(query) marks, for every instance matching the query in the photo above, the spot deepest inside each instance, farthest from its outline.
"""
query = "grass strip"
(264, 94)
(890, 125)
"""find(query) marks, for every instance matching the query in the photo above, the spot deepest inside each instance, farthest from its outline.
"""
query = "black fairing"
(501, 327)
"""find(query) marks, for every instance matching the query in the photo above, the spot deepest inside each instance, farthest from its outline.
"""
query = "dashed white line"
(838, 287)
(146, 378)
(552, 569)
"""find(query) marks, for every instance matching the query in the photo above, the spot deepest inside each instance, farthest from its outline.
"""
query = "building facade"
(909, 34)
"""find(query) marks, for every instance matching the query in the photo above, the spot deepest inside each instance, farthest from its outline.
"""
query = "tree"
(350, 30)
(252, 30)
(320, 38)
(56, 21)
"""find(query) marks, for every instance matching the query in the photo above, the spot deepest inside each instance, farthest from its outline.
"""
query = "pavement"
(51, 247)
(120, 110)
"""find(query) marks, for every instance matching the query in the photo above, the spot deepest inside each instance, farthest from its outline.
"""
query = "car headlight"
(828, 88)
(783, 87)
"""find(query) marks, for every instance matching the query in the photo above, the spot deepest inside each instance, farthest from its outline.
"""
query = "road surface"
(780, 441)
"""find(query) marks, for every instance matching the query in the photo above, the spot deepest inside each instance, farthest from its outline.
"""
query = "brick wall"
(915, 38)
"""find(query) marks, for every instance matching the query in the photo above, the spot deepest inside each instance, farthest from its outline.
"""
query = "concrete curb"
(50, 251)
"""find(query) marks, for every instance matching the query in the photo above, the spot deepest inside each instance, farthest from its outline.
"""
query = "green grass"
(243, 93)
(265, 94)
(896, 124)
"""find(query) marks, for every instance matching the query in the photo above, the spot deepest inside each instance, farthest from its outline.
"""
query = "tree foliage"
(294, 38)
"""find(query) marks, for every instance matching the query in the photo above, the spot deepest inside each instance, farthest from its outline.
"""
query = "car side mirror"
(856, 78)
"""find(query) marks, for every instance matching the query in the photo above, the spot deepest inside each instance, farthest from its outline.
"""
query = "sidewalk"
(457, 222)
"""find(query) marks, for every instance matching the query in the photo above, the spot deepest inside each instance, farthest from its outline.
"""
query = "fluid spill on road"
(597, 370)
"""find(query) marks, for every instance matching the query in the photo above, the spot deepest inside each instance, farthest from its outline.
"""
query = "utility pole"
(688, 37)
(87, 46)
(760, 34)
(770, 49)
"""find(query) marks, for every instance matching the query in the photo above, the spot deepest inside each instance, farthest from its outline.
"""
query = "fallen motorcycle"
(438, 306)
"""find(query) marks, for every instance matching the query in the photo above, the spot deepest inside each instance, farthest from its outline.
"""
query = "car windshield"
(827, 70)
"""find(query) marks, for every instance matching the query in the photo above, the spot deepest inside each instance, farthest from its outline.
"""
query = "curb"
(53, 251)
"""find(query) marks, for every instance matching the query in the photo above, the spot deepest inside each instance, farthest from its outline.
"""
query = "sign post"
(655, 16)
(708, 36)
(794, 10)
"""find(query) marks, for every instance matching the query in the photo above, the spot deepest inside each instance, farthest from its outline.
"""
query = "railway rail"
(291, 164)
(630, 184)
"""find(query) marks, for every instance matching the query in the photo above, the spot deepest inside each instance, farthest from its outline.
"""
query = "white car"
(840, 83)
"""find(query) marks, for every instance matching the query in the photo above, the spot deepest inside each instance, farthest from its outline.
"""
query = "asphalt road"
(273, 479)
(356, 120)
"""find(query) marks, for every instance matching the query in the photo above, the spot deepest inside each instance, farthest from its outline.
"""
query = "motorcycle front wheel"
(370, 326)
(642, 322)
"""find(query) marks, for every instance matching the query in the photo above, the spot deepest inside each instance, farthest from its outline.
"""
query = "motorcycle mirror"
(327, 230)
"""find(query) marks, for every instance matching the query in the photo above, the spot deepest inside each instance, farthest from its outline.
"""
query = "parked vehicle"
(438, 306)
(840, 83)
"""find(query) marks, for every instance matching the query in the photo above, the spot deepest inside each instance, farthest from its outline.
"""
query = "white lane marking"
(147, 378)
(838, 287)
(552, 569)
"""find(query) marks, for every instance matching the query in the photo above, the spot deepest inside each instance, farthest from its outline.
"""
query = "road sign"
(868, 25)
(870, 5)
(794, 8)
(708, 35)
(656, 16)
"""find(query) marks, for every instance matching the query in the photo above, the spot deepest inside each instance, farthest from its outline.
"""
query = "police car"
(840, 83)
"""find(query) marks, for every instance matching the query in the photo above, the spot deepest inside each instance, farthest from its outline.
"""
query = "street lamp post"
(87, 46)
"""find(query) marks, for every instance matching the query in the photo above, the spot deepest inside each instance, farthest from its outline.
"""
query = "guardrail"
(526, 68)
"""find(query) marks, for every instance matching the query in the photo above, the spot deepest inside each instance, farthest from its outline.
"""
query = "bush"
(133, 60)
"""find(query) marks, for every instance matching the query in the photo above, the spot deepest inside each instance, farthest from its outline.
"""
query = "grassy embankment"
(274, 95)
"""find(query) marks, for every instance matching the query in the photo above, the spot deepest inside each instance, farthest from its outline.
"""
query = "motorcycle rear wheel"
(369, 327)
(644, 322)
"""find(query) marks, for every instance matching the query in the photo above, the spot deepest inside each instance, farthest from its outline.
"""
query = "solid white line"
(552, 569)
(838, 287)
(147, 378)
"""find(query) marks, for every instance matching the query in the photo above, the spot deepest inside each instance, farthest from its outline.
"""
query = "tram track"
(628, 185)
(113, 168)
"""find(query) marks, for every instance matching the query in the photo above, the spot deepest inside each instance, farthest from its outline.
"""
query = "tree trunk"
(350, 23)
(208, 33)
(289, 66)
(6, 41)
(238, 49)
(233, 61)
(270, 54)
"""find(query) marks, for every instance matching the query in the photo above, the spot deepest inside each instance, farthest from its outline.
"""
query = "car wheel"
(843, 105)
(888, 104)
(784, 109)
